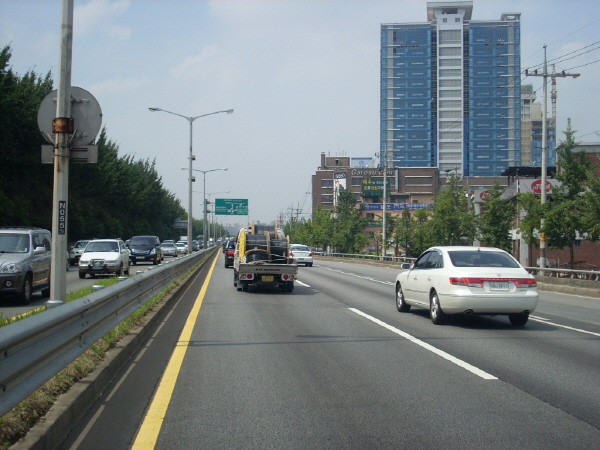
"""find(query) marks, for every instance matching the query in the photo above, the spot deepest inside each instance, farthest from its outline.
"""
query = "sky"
(301, 75)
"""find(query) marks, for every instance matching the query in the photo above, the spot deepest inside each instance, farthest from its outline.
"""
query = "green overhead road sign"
(231, 206)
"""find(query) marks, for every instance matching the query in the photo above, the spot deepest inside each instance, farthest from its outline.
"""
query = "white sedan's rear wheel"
(518, 320)
(438, 317)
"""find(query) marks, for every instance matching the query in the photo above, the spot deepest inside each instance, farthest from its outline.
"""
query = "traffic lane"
(11, 306)
(551, 360)
(556, 305)
(271, 370)
(552, 304)
(113, 420)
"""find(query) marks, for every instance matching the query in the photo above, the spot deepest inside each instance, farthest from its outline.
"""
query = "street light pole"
(191, 158)
(204, 172)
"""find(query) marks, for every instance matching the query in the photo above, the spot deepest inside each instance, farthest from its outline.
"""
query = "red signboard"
(536, 187)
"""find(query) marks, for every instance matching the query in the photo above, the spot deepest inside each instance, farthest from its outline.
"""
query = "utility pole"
(62, 125)
(553, 76)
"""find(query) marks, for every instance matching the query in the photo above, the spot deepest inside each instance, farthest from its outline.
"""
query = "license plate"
(97, 266)
(300, 259)
(268, 278)
(498, 285)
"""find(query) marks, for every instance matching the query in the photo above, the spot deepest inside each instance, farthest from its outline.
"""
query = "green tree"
(590, 205)
(423, 237)
(531, 222)
(564, 213)
(349, 236)
(20, 147)
(496, 220)
(404, 230)
(454, 221)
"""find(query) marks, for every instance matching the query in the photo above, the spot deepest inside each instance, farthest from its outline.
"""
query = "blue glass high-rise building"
(450, 92)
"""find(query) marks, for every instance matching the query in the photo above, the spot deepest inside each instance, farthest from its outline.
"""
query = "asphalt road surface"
(333, 365)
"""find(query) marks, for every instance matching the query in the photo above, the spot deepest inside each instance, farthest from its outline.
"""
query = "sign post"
(69, 118)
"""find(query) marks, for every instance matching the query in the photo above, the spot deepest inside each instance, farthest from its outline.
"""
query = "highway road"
(333, 365)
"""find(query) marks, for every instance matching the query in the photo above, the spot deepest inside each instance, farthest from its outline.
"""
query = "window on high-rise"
(450, 93)
(450, 37)
(450, 63)
(450, 72)
(450, 83)
(450, 51)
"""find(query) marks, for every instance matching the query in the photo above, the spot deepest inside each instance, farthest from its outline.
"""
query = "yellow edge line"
(150, 429)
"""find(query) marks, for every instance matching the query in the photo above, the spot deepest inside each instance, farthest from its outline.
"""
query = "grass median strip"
(16, 423)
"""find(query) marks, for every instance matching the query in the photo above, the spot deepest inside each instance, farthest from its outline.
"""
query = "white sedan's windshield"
(102, 247)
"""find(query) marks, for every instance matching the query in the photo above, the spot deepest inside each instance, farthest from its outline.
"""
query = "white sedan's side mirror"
(406, 266)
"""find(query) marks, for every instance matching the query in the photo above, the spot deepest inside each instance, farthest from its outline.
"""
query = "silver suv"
(25, 259)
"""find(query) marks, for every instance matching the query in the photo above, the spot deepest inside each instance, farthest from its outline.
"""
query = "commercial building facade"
(450, 92)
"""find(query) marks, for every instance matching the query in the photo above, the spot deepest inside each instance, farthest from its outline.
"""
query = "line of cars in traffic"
(444, 280)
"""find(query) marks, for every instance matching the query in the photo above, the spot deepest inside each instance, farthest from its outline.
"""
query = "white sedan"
(181, 247)
(467, 280)
(104, 256)
(301, 254)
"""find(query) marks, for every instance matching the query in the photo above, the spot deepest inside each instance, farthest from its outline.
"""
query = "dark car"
(145, 248)
(229, 250)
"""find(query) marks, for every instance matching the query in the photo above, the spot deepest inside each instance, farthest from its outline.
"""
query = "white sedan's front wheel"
(401, 305)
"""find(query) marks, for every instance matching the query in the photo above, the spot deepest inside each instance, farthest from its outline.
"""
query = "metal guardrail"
(33, 350)
(399, 259)
(591, 275)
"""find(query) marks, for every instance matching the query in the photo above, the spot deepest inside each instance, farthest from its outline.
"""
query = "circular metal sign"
(85, 111)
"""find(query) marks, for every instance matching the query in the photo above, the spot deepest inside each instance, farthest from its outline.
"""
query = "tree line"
(570, 213)
(117, 197)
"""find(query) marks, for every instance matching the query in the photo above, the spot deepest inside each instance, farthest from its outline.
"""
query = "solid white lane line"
(360, 276)
(302, 284)
(548, 321)
(431, 348)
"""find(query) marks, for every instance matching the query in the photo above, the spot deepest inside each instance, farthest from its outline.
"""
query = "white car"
(104, 256)
(467, 280)
(301, 254)
(181, 247)
(169, 249)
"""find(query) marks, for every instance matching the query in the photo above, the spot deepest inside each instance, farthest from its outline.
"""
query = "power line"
(583, 65)
(560, 59)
